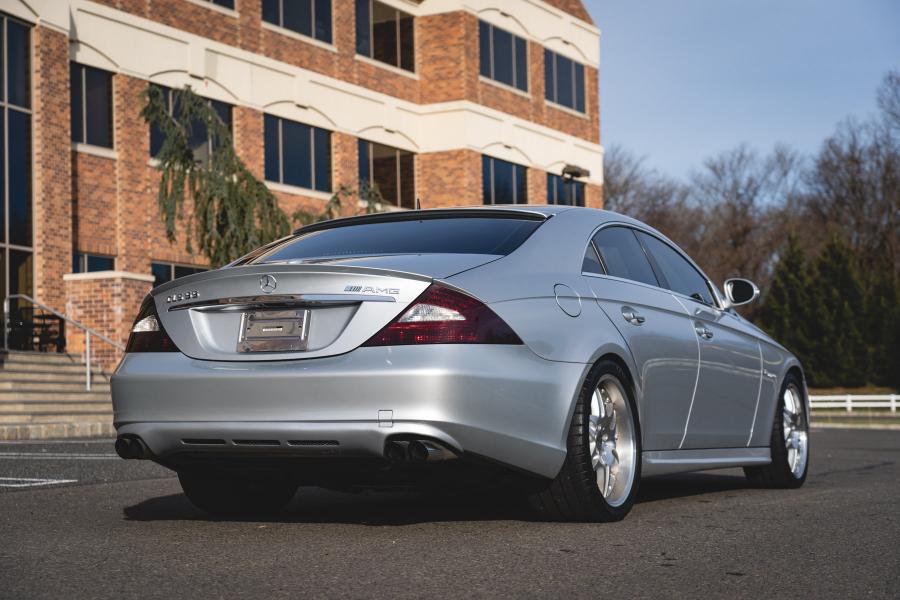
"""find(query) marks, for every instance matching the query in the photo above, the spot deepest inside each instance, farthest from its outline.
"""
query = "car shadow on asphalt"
(316, 505)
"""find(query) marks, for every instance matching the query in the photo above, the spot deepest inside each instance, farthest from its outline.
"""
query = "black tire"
(229, 494)
(778, 474)
(574, 495)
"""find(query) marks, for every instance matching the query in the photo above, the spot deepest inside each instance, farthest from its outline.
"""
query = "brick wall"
(102, 302)
(52, 190)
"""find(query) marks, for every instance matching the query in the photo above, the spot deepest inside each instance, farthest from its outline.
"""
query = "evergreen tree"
(883, 327)
(839, 315)
(788, 307)
(231, 212)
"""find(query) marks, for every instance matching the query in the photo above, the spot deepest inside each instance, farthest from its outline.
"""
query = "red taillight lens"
(445, 316)
(148, 333)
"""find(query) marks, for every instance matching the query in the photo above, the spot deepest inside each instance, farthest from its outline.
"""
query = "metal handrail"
(88, 332)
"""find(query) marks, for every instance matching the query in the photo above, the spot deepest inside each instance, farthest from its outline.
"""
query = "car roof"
(538, 212)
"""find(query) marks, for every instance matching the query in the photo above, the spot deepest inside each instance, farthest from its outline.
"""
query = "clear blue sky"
(681, 80)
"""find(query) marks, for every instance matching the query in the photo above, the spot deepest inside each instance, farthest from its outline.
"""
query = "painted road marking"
(55, 456)
(23, 482)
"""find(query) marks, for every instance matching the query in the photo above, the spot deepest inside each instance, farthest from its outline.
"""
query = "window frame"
(9, 248)
(514, 65)
(82, 73)
(397, 153)
(397, 15)
(312, 19)
(172, 266)
(714, 292)
(312, 155)
(580, 185)
(493, 186)
(554, 101)
(82, 257)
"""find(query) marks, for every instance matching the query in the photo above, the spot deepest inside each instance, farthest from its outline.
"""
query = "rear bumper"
(501, 402)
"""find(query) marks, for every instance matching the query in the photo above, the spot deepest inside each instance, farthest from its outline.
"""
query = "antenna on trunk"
(418, 204)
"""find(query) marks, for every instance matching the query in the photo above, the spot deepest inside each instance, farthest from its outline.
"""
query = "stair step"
(56, 416)
(51, 405)
(27, 385)
(48, 367)
(57, 430)
(51, 375)
(42, 357)
(52, 395)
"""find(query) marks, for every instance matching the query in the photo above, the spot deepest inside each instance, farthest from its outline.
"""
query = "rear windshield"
(428, 236)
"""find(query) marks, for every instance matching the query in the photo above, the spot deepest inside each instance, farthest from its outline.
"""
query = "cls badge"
(267, 283)
(182, 296)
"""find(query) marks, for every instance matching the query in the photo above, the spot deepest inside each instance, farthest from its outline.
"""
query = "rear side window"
(681, 275)
(623, 256)
(471, 235)
(591, 262)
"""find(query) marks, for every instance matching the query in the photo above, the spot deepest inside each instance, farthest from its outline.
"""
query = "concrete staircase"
(43, 396)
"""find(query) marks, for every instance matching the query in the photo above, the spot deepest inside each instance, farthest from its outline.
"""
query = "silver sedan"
(561, 352)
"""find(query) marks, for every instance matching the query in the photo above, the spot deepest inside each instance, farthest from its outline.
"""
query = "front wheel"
(599, 478)
(231, 494)
(790, 441)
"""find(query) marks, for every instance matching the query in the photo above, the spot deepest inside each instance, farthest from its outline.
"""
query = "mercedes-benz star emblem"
(267, 283)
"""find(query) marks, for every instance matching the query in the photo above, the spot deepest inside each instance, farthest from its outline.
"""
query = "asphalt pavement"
(77, 522)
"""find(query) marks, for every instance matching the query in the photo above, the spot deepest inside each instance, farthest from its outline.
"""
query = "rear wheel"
(599, 478)
(230, 494)
(790, 441)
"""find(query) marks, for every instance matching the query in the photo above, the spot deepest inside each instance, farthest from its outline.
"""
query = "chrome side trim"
(696, 379)
(758, 392)
(661, 462)
(279, 301)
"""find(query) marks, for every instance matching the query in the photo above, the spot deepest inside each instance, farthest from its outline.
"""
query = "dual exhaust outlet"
(132, 448)
(416, 451)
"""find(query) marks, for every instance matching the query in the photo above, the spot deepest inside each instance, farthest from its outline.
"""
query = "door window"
(681, 275)
(623, 256)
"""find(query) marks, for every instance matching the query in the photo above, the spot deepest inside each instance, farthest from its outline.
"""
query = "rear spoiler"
(431, 213)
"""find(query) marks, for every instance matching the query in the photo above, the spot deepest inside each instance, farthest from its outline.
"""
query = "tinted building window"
(503, 182)
(297, 154)
(502, 56)
(90, 263)
(623, 256)
(563, 81)
(390, 169)
(564, 192)
(385, 34)
(223, 3)
(92, 117)
(308, 17)
(681, 276)
(199, 140)
(419, 236)
(16, 258)
(165, 272)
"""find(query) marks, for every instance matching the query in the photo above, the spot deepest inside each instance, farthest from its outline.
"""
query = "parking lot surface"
(78, 522)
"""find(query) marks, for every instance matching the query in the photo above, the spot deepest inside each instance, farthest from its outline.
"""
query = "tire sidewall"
(601, 369)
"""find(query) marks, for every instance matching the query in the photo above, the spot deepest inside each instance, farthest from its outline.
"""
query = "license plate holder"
(274, 330)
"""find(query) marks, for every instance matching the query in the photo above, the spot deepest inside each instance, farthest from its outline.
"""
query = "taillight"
(445, 316)
(147, 333)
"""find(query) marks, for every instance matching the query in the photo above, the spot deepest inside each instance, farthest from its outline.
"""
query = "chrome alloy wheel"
(796, 434)
(611, 440)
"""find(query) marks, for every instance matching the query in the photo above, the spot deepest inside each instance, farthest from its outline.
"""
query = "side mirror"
(740, 291)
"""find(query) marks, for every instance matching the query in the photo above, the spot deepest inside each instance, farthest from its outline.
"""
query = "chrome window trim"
(718, 306)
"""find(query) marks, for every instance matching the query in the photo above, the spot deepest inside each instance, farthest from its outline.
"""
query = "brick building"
(453, 102)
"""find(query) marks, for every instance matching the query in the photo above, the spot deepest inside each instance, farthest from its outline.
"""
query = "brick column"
(136, 209)
(451, 178)
(52, 193)
(537, 186)
(248, 139)
(107, 302)
(593, 196)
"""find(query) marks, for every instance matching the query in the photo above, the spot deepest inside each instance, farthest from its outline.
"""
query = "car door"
(730, 360)
(654, 326)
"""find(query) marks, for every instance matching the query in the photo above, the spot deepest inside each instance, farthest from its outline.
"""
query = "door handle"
(703, 332)
(632, 316)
